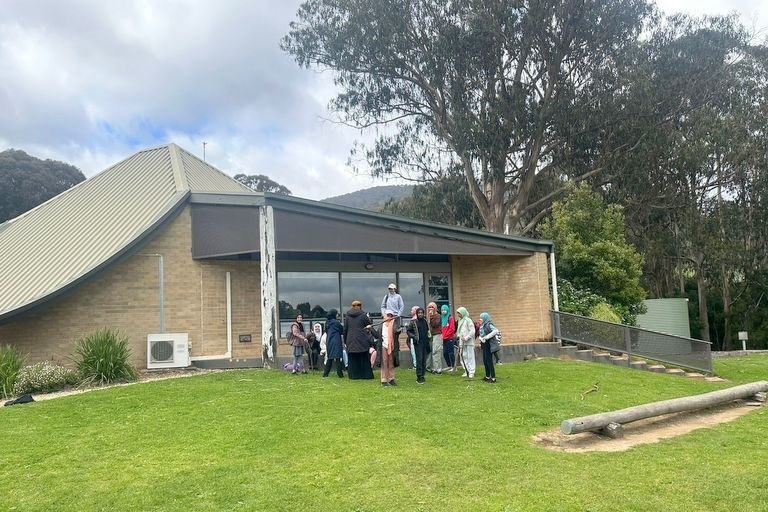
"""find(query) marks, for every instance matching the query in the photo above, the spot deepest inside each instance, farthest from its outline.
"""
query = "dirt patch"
(650, 430)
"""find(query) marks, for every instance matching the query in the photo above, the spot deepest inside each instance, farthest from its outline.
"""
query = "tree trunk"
(680, 273)
(701, 287)
(489, 199)
(639, 412)
(725, 281)
(727, 311)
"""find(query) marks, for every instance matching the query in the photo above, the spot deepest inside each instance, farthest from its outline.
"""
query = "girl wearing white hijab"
(465, 332)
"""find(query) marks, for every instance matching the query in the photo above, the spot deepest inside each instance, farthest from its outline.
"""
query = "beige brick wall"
(125, 296)
(514, 290)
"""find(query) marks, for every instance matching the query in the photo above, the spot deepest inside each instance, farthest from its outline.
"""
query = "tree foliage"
(447, 201)
(688, 189)
(593, 253)
(261, 183)
(496, 88)
(26, 181)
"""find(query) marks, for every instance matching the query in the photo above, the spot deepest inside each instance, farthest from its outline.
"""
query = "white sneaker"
(471, 375)
(464, 374)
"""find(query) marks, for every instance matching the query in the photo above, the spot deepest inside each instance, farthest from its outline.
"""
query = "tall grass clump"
(43, 378)
(102, 357)
(11, 362)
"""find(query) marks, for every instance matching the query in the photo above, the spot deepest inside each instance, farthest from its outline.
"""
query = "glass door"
(438, 289)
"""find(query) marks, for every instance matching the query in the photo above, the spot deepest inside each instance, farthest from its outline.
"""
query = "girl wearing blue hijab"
(487, 332)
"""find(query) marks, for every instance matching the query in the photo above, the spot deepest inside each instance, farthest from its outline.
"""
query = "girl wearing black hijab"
(333, 341)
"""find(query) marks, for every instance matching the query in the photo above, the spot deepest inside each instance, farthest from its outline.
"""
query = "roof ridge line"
(215, 169)
(179, 175)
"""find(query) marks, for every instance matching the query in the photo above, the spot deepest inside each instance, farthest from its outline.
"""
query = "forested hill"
(26, 181)
(371, 198)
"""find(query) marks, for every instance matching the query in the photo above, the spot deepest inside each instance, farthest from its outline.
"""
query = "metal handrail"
(633, 341)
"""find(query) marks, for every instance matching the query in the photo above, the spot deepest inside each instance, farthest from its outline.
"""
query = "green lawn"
(267, 440)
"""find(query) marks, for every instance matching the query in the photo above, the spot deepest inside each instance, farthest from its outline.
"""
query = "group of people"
(358, 345)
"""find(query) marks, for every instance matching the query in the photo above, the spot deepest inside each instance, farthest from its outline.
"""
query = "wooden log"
(639, 412)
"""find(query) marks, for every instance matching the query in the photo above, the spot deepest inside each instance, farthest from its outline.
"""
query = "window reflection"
(412, 291)
(369, 287)
(438, 289)
(313, 294)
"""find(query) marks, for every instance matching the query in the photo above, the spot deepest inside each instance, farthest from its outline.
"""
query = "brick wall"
(125, 297)
(514, 290)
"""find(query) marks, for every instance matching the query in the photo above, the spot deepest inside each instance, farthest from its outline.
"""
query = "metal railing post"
(628, 343)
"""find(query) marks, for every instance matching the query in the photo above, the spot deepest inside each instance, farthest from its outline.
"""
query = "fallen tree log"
(639, 412)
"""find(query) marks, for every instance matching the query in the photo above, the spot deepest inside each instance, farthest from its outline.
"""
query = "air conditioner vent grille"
(162, 351)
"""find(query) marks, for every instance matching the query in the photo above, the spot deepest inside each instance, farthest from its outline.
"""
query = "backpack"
(289, 334)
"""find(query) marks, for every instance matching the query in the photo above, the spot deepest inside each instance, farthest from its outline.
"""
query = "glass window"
(424, 257)
(412, 290)
(369, 287)
(438, 289)
(374, 258)
(313, 294)
(310, 293)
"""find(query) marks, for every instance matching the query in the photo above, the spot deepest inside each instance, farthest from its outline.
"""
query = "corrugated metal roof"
(60, 242)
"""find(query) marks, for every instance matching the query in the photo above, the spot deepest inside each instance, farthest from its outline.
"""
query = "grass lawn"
(267, 440)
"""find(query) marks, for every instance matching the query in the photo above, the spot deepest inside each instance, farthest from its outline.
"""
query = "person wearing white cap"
(393, 304)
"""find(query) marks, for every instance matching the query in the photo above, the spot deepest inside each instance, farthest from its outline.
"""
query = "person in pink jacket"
(448, 332)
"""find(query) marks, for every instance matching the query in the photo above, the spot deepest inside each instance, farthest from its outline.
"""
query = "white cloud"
(752, 13)
(91, 82)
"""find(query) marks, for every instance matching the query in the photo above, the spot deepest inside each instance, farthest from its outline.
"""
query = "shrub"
(102, 357)
(605, 312)
(11, 362)
(43, 377)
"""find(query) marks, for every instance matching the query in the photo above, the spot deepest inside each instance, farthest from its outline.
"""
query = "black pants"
(422, 349)
(339, 366)
(449, 353)
(490, 370)
(313, 359)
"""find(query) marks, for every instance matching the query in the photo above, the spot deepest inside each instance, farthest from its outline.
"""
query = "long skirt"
(359, 366)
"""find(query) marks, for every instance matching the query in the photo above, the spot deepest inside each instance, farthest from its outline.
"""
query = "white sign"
(743, 336)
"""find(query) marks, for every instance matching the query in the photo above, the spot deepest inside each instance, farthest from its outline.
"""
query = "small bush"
(605, 312)
(11, 362)
(102, 357)
(43, 378)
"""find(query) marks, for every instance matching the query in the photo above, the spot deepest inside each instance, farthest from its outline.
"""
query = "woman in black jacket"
(357, 325)
(334, 344)
(421, 335)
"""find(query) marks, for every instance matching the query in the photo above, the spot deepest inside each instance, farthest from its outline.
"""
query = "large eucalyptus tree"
(499, 88)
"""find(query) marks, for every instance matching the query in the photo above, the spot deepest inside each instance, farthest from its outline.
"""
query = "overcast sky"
(91, 82)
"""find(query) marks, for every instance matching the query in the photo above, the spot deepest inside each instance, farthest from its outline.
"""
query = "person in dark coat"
(334, 348)
(421, 335)
(357, 326)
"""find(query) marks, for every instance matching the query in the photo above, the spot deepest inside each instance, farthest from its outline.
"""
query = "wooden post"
(639, 412)
(268, 287)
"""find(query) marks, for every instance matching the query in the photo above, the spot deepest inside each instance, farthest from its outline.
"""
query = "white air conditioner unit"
(168, 350)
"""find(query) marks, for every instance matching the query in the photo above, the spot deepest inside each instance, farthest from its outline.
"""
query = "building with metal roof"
(164, 245)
